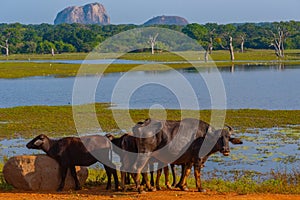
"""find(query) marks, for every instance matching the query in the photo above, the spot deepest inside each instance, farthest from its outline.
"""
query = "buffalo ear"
(236, 141)
(38, 143)
(210, 130)
(157, 126)
(110, 136)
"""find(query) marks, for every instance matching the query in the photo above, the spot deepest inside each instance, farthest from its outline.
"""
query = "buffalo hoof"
(152, 189)
(118, 188)
(169, 187)
(201, 190)
(142, 192)
(184, 188)
(78, 188)
(152, 183)
(158, 187)
(59, 189)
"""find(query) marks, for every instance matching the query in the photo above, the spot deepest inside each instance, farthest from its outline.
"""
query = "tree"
(6, 47)
(209, 46)
(152, 41)
(229, 45)
(231, 49)
(278, 42)
(242, 37)
(195, 31)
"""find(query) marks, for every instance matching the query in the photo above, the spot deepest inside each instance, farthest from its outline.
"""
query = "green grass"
(247, 182)
(3, 185)
(29, 121)
(244, 182)
(57, 121)
(64, 56)
(27, 69)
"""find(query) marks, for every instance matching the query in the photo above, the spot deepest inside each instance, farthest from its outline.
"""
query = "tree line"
(44, 38)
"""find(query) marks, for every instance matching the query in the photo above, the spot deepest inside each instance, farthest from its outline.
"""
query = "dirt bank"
(99, 193)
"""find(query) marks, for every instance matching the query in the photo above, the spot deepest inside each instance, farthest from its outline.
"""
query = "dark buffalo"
(179, 142)
(197, 158)
(126, 148)
(73, 151)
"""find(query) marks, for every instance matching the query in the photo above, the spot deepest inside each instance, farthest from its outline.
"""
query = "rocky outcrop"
(94, 13)
(167, 20)
(38, 173)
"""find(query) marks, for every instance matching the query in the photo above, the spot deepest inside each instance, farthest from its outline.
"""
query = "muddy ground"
(100, 193)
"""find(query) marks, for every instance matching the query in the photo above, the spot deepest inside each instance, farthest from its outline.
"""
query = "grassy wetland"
(26, 68)
(57, 121)
(29, 121)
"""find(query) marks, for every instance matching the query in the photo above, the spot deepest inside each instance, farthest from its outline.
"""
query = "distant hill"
(167, 20)
(93, 13)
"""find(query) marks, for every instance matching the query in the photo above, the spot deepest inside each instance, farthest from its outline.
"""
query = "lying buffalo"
(188, 142)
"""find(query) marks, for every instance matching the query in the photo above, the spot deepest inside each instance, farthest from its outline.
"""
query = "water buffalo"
(197, 158)
(73, 151)
(126, 148)
(179, 142)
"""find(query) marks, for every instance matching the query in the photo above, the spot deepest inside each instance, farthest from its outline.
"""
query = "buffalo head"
(224, 139)
(147, 128)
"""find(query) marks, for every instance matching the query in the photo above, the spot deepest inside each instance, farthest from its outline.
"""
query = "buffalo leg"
(184, 176)
(123, 180)
(74, 175)
(173, 174)
(127, 178)
(151, 166)
(142, 161)
(181, 177)
(158, 174)
(197, 174)
(148, 185)
(63, 172)
(166, 172)
(108, 173)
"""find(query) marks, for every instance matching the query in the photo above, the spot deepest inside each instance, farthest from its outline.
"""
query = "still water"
(263, 150)
(246, 87)
(260, 87)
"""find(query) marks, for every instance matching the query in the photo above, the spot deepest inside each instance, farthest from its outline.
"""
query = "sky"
(139, 11)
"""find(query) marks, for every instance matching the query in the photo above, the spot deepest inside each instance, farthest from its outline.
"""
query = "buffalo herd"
(163, 143)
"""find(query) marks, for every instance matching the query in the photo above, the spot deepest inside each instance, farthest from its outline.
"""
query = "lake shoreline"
(26, 120)
(220, 58)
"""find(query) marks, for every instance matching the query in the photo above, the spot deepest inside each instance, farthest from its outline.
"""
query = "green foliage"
(83, 38)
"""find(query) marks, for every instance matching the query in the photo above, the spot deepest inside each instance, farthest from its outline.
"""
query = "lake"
(261, 87)
(263, 150)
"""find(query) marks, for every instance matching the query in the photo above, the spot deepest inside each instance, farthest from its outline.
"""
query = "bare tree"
(278, 42)
(209, 46)
(229, 46)
(6, 47)
(152, 41)
(242, 36)
(231, 49)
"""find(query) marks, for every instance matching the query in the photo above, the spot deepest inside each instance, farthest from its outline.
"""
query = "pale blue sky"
(139, 11)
